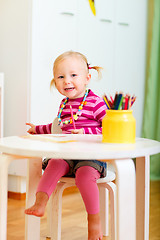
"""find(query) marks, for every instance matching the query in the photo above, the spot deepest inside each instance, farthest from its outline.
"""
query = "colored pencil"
(126, 103)
(129, 102)
(111, 99)
(115, 99)
(106, 102)
(109, 102)
(123, 103)
(118, 101)
(120, 104)
(133, 100)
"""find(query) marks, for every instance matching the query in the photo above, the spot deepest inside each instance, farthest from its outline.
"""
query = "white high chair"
(106, 185)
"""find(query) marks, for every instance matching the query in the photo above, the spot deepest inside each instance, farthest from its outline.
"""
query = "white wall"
(14, 55)
(14, 63)
(1, 103)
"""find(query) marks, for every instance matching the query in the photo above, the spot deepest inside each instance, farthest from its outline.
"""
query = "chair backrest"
(55, 127)
(57, 130)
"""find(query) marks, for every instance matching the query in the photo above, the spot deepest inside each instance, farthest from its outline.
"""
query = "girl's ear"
(88, 78)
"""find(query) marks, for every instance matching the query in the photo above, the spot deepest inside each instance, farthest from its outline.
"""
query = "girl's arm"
(99, 111)
(39, 129)
(92, 130)
(43, 129)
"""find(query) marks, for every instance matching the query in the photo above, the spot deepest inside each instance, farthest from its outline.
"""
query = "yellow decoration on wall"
(92, 6)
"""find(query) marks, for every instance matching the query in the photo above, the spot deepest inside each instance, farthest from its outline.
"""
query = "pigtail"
(97, 68)
(52, 83)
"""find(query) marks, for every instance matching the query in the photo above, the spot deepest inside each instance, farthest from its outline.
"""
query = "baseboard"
(22, 196)
(16, 195)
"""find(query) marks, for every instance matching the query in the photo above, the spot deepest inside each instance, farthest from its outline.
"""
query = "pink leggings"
(85, 179)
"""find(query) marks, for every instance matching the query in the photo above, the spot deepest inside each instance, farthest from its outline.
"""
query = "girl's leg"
(86, 177)
(54, 171)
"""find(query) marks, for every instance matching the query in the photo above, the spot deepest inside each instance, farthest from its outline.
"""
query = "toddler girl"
(71, 76)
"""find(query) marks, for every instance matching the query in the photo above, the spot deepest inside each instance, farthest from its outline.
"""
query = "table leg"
(5, 160)
(126, 199)
(142, 197)
(32, 223)
(4, 163)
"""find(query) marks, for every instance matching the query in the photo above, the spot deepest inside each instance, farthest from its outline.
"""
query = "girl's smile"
(69, 89)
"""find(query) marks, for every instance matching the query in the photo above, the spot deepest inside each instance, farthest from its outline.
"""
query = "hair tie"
(88, 65)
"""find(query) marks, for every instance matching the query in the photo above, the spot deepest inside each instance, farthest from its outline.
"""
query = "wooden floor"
(74, 223)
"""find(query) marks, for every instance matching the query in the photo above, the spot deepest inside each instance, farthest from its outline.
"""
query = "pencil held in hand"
(74, 126)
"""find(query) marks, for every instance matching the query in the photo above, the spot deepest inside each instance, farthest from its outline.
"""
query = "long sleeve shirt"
(90, 118)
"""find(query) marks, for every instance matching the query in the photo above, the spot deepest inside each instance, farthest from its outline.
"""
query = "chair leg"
(104, 209)
(49, 216)
(113, 223)
(54, 212)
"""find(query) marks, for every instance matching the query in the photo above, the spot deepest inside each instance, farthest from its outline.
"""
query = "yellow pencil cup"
(118, 126)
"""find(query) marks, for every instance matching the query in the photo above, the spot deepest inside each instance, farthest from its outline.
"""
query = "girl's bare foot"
(94, 227)
(38, 208)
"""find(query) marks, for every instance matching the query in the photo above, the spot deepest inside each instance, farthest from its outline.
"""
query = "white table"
(132, 196)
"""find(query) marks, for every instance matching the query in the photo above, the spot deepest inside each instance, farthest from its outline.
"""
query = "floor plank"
(154, 228)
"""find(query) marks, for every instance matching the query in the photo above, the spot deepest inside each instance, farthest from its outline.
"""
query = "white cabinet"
(54, 30)
(130, 52)
(130, 44)
(106, 10)
(95, 40)
(116, 40)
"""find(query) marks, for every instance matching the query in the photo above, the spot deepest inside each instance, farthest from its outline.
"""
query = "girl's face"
(71, 77)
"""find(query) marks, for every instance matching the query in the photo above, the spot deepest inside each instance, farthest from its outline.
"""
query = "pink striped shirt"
(90, 118)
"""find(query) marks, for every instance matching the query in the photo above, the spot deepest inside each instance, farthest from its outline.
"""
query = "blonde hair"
(73, 54)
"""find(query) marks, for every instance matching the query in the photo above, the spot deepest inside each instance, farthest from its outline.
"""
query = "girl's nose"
(67, 80)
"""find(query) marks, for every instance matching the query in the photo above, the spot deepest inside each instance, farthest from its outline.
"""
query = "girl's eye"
(60, 77)
(74, 75)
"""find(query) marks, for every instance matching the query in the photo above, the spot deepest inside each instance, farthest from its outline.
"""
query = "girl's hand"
(77, 131)
(32, 129)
